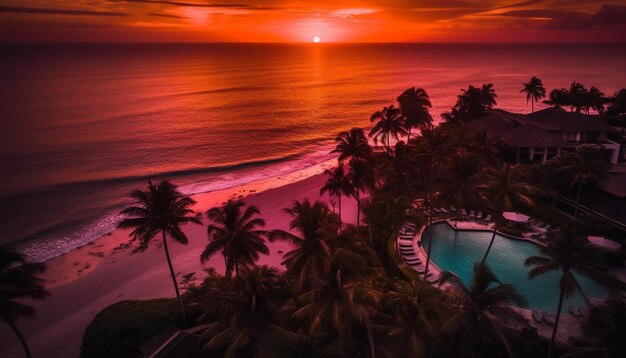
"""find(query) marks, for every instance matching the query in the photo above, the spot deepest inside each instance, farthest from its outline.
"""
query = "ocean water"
(458, 251)
(82, 125)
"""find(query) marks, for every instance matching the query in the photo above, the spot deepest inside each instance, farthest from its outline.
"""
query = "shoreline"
(106, 271)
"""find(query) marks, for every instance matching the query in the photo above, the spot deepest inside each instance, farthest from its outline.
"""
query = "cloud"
(166, 15)
(185, 4)
(608, 16)
(30, 10)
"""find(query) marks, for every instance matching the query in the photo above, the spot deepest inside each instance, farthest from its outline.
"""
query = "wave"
(46, 244)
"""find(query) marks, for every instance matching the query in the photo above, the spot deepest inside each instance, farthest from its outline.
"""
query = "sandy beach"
(88, 279)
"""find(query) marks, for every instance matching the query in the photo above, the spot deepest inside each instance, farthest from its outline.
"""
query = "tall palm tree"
(507, 188)
(235, 234)
(352, 145)
(584, 166)
(18, 280)
(337, 184)
(433, 148)
(255, 326)
(577, 96)
(534, 91)
(569, 251)
(308, 261)
(595, 100)
(414, 104)
(483, 310)
(389, 123)
(160, 209)
(362, 178)
(489, 95)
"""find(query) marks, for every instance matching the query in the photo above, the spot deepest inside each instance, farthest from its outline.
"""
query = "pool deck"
(569, 325)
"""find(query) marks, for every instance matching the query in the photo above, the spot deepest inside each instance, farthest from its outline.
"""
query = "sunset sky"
(300, 21)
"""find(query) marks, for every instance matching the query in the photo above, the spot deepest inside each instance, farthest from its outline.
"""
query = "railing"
(588, 210)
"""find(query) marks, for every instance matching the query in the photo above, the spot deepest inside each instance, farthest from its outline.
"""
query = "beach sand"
(88, 279)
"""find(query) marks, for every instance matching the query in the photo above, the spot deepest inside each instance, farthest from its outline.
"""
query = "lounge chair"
(471, 215)
(537, 317)
(463, 212)
(452, 208)
(407, 245)
(443, 210)
(410, 225)
(479, 215)
(547, 227)
(488, 217)
(433, 280)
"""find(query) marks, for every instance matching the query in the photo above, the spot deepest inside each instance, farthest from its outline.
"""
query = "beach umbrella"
(517, 217)
(604, 243)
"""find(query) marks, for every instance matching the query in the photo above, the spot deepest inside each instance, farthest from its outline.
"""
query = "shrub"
(122, 328)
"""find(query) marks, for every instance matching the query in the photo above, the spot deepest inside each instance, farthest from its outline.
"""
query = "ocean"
(84, 124)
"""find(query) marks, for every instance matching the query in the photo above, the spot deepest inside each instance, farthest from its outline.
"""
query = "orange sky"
(299, 20)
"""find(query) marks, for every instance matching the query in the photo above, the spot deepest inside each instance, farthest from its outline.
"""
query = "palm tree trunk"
(408, 137)
(169, 263)
(493, 238)
(237, 270)
(577, 199)
(370, 339)
(340, 223)
(556, 323)
(19, 335)
(358, 210)
(430, 247)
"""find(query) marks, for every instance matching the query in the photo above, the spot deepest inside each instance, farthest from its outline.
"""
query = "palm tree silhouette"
(534, 91)
(414, 104)
(568, 251)
(160, 209)
(389, 123)
(577, 96)
(461, 185)
(18, 280)
(433, 148)
(352, 145)
(399, 167)
(506, 187)
(235, 234)
(595, 100)
(255, 327)
(316, 224)
(558, 98)
(484, 310)
(361, 177)
(337, 184)
(337, 305)
(583, 166)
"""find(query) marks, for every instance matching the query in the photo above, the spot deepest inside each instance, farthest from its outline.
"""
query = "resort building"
(539, 136)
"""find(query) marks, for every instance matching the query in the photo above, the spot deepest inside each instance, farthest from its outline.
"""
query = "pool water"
(457, 251)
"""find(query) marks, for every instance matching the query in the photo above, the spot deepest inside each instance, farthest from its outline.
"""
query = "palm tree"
(337, 306)
(398, 167)
(18, 280)
(489, 95)
(595, 100)
(484, 309)
(414, 104)
(433, 148)
(584, 166)
(361, 178)
(352, 145)
(389, 123)
(558, 98)
(234, 234)
(161, 208)
(414, 318)
(507, 187)
(534, 91)
(567, 252)
(462, 184)
(255, 327)
(309, 259)
(337, 184)
(577, 96)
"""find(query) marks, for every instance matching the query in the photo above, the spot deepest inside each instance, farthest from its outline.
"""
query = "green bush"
(122, 328)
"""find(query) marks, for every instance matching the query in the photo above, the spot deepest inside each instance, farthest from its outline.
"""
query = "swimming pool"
(458, 253)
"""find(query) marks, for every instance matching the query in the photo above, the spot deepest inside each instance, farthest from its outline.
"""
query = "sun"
(316, 39)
